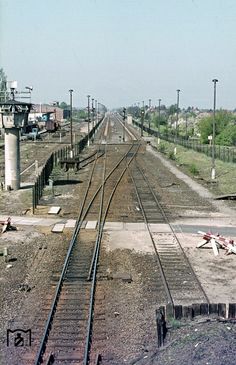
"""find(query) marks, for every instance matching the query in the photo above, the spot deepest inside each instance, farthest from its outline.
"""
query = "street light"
(88, 116)
(96, 110)
(159, 118)
(213, 170)
(124, 116)
(71, 136)
(186, 125)
(149, 115)
(177, 114)
(142, 121)
(93, 113)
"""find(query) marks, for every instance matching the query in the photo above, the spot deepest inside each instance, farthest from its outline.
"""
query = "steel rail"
(173, 232)
(164, 280)
(39, 356)
(92, 292)
(93, 269)
(126, 128)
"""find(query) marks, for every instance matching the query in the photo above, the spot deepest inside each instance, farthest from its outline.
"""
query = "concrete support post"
(12, 159)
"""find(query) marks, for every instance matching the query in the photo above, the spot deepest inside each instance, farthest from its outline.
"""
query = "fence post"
(33, 199)
(161, 326)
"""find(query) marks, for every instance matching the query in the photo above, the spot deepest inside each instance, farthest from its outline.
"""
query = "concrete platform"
(138, 241)
(135, 226)
(32, 221)
(113, 226)
(159, 228)
(58, 228)
(91, 225)
(70, 223)
(54, 210)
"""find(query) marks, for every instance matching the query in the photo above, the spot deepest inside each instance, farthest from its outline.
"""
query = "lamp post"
(92, 112)
(159, 118)
(88, 116)
(124, 116)
(186, 125)
(142, 121)
(149, 115)
(71, 136)
(177, 113)
(213, 170)
(96, 110)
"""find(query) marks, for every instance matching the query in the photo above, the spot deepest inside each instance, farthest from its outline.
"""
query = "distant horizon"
(128, 106)
(121, 52)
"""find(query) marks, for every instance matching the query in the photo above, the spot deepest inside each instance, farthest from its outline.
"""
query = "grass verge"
(198, 166)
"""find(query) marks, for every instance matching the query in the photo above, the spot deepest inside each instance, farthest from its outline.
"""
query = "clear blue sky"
(121, 51)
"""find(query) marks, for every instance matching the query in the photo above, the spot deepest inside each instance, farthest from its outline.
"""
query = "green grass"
(199, 165)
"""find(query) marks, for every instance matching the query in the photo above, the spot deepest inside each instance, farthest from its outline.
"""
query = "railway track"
(179, 280)
(67, 335)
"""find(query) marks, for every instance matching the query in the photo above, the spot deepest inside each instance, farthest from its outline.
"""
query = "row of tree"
(191, 124)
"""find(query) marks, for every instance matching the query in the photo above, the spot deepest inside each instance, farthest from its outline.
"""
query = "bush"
(193, 169)
(162, 148)
(171, 155)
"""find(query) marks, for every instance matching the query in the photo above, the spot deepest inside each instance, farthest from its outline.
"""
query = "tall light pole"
(96, 110)
(71, 136)
(88, 116)
(159, 119)
(142, 121)
(186, 125)
(124, 116)
(177, 114)
(149, 114)
(92, 112)
(213, 170)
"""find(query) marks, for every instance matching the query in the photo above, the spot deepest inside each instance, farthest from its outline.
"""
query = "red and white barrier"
(217, 241)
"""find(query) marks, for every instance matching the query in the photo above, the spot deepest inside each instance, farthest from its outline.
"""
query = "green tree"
(64, 105)
(223, 121)
(228, 136)
(3, 85)
(172, 110)
(162, 120)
